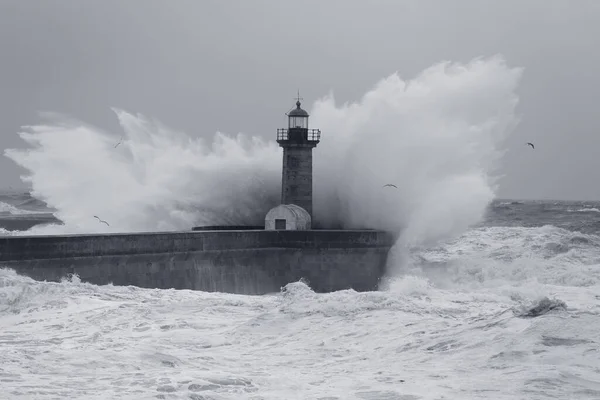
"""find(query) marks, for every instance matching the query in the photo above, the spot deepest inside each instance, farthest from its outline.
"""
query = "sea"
(510, 309)
(483, 298)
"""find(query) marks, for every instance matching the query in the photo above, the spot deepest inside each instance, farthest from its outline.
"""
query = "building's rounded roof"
(298, 112)
(299, 213)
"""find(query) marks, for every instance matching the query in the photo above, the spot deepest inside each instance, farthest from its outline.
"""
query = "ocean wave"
(8, 209)
(541, 307)
(21, 294)
(5, 232)
(146, 343)
(489, 256)
(298, 299)
(509, 203)
(585, 210)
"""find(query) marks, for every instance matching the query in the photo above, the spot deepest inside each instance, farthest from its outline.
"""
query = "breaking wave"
(508, 258)
(436, 137)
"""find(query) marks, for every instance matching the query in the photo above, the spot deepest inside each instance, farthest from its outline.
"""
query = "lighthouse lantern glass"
(298, 122)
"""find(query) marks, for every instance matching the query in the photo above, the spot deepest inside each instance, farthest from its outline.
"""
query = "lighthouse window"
(298, 122)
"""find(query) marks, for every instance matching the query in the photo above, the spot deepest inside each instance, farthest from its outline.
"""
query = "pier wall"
(242, 261)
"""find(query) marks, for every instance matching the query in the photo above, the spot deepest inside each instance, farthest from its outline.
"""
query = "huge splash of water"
(437, 137)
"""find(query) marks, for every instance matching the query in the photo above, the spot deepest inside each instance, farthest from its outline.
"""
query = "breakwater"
(234, 261)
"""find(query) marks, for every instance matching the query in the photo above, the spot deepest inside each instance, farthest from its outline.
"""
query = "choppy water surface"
(505, 311)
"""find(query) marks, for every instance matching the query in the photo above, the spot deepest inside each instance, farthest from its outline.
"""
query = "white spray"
(436, 137)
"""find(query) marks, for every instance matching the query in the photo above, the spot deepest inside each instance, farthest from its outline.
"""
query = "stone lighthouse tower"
(297, 142)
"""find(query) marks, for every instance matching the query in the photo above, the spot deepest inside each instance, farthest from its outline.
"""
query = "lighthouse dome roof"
(298, 112)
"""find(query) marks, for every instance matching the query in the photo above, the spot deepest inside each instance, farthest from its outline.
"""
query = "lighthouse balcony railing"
(312, 135)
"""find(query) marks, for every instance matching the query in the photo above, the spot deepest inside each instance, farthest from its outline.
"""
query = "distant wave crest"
(585, 210)
(9, 209)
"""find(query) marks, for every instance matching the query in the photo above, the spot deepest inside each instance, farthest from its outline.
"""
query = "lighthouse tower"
(297, 142)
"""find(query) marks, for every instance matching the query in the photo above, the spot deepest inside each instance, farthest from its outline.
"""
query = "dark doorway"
(280, 224)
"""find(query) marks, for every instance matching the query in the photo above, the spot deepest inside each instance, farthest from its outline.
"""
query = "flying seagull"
(119, 142)
(389, 184)
(531, 144)
(104, 222)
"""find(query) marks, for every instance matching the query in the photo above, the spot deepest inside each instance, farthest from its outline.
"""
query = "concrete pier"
(233, 261)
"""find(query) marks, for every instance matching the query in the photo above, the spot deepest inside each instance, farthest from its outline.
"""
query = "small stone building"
(288, 217)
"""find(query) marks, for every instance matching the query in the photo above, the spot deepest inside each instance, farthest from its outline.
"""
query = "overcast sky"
(205, 65)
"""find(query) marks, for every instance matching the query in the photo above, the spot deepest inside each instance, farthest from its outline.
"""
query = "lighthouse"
(297, 141)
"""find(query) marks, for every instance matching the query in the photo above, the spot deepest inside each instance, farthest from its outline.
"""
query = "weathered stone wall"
(297, 184)
(245, 262)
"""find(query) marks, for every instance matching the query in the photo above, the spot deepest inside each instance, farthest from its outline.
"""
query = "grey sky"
(205, 65)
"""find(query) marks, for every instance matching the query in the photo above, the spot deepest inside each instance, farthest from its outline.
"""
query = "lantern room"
(298, 118)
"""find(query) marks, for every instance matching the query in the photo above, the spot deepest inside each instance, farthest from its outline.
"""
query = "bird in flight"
(104, 222)
(531, 144)
(391, 185)
(119, 142)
